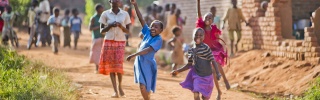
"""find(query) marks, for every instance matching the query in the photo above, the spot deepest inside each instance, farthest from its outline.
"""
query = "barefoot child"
(145, 67)
(212, 40)
(75, 22)
(200, 78)
(54, 23)
(176, 42)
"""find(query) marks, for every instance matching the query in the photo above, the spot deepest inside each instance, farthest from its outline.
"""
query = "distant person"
(126, 8)
(180, 21)
(97, 37)
(33, 23)
(149, 16)
(145, 66)
(114, 24)
(216, 19)
(166, 13)
(171, 22)
(176, 42)
(160, 13)
(55, 22)
(264, 5)
(8, 16)
(75, 25)
(234, 16)
(212, 39)
(44, 35)
(66, 29)
(201, 75)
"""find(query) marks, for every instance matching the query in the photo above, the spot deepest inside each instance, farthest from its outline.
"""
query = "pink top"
(212, 40)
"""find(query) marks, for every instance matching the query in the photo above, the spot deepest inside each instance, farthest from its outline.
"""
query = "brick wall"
(302, 8)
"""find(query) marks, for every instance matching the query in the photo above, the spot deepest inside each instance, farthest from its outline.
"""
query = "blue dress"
(145, 66)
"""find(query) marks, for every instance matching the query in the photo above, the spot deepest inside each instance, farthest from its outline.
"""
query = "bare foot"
(219, 96)
(121, 92)
(115, 95)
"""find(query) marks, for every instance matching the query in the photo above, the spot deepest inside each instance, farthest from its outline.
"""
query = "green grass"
(314, 92)
(22, 79)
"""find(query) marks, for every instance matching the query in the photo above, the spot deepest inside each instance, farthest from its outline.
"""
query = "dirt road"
(75, 63)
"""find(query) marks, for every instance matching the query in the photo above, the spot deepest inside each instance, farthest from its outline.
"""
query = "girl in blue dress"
(145, 67)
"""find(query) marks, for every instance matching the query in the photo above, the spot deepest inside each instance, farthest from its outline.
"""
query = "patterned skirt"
(112, 56)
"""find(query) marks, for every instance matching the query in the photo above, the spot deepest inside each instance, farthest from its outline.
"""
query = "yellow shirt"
(234, 16)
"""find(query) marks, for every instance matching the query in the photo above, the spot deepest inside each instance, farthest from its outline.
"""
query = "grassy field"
(22, 79)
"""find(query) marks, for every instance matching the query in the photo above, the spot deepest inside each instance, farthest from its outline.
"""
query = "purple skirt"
(196, 83)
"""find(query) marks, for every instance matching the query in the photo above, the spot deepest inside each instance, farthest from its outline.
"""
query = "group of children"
(69, 24)
(205, 58)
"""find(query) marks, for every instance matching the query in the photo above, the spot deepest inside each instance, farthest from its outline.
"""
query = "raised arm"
(138, 12)
(199, 9)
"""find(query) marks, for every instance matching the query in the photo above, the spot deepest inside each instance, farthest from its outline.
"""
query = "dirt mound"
(254, 72)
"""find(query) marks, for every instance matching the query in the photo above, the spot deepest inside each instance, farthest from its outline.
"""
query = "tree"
(21, 7)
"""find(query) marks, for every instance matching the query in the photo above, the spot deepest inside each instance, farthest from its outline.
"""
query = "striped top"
(203, 52)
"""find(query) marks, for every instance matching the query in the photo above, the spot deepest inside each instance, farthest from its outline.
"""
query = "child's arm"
(143, 52)
(106, 29)
(184, 68)
(199, 9)
(170, 43)
(138, 12)
(91, 27)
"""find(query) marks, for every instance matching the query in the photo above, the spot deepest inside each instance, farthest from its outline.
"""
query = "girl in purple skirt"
(201, 75)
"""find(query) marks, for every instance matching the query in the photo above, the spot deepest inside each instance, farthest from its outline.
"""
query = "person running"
(145, 66)
(75, 25)
(234, 16)
(201, 76)
(177, 55)
(114, 24)
(97, 37)
(211, 38)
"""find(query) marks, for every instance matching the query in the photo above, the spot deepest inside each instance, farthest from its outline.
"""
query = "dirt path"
(98, 87)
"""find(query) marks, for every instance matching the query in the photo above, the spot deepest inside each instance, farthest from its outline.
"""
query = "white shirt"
(115, 33)
(44, 6)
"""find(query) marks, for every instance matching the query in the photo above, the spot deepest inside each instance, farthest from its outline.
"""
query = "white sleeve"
(103, 18)
(47, 5)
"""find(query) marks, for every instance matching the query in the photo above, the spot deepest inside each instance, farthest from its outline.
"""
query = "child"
(180, 20)
(200, 78)
(33, 24)
(234, 16)
(145, 67)
(216, 19)
(212, 40)
(97, 37)
(8, 16)
(66, 29)
(75, 23)
(176, 42)
(54, 23)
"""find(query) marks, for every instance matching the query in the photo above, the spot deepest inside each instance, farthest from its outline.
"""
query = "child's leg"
(55, 43)
(231, 41)
(120, 84)
(238, 40)
(145, 94)
(114, 84)
(196, 96)
(215, 66)
(226, 82)
(216, 83)
(76, 37)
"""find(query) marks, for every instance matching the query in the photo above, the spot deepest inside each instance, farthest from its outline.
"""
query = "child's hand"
(130, 57)
(133, 2)
(174, 73)
(114, 24)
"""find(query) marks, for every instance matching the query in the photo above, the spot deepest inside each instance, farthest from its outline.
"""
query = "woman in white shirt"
(113, 24)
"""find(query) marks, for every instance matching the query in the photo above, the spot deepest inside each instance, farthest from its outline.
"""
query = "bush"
(21, 79)
(314, 92)
(21, 7)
